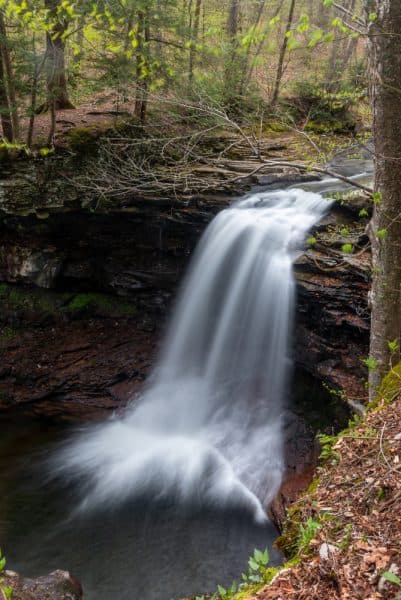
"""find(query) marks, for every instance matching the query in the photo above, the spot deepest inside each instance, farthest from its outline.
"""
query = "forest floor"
(98, 113)
(346, 533)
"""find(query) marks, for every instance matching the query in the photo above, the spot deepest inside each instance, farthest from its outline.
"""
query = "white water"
(207, 428)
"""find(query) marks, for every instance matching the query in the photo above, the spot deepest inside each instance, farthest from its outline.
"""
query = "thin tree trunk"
(258, 18)
(8, 79)
(34, 93)
(384, 51)
(142, 69)
(283, 50)
(194, 39)
(52, 131)
(57, 91)
(260, 46)
(5, 112)
(232, 80)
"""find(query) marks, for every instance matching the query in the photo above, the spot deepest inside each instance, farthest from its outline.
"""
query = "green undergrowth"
(299, 529)
(17, 300)
(259, 574)
(13, 151)
(96, 302)
(390, 387)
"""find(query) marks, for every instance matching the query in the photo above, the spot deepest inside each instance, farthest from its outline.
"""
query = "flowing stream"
(184, 477)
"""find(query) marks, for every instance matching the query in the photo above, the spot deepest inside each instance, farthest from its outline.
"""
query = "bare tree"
(283, 50)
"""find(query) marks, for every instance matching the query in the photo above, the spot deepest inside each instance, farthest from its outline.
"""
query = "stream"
(168, 500)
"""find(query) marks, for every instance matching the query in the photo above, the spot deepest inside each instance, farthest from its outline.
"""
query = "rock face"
(333, 318)
(59, 585)
(71, 348)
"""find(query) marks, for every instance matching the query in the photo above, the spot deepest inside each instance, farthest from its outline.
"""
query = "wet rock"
(139, 251)
(59, 585)
(26, 265)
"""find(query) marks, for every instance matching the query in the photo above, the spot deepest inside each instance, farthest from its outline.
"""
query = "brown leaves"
(358, 504)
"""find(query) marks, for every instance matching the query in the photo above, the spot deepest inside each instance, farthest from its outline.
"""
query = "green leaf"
(311, 241)
(392, 577)
(393, 346)
(347, 248)
(8, 591)
(258, 556)
(363, 213)
(371, 363)
(381, 234)
(377, 198)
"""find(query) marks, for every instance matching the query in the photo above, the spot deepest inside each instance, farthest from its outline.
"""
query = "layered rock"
(73, 350)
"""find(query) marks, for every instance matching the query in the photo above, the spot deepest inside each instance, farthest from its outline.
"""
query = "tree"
(384, 46)
(5, 110)
(57, 91)
(8, 101)
(194, 40)
(283, 50)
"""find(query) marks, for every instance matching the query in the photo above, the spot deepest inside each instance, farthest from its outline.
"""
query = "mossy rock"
(96, 303)
(84, 139)
(330, 126)
(49, 303)
(390, 387)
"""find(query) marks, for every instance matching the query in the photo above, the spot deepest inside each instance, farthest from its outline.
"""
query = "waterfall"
(206, 429)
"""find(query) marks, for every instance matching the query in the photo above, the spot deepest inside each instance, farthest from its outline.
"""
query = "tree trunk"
(384, 50)
(283, 50)
(38, 67)
(142, 68)
(7, 78)
(231, 77)
(194, 39)
(258, 18)
(57, 91)
(5, 112)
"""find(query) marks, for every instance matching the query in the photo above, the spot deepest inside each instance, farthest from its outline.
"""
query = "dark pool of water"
(139, 550)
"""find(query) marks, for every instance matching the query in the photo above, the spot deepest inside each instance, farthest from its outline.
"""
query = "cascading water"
(207, 428)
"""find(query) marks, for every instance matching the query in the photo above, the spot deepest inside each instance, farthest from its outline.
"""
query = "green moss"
(95, 302)
(18, 299)
(275, 127)
(83, 139)
(7, 334)
(329, 126)
(390, 387)
(10, 151)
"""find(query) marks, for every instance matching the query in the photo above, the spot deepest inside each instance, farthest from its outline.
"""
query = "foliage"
(128, 49)
(5, 590)
(258, 573)
(325, 109)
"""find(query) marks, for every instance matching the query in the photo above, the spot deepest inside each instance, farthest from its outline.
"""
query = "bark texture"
(8, 102)
(384, 48)
(55, 52)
